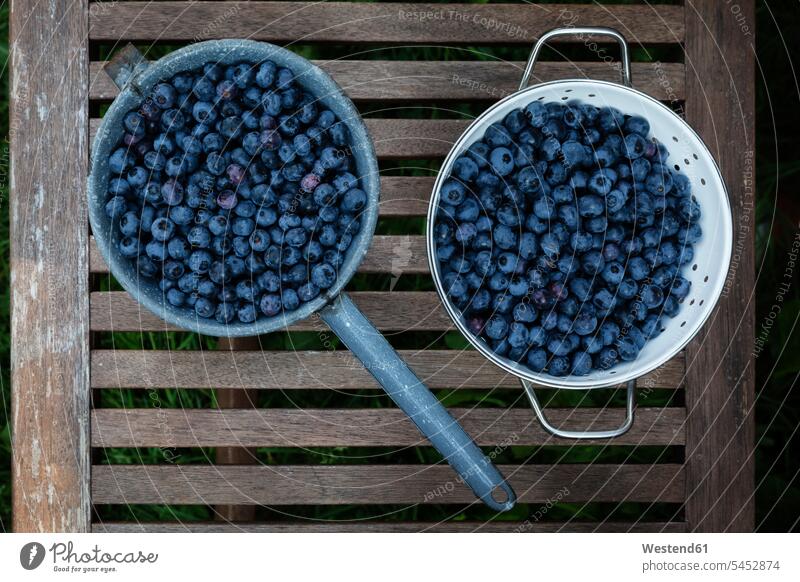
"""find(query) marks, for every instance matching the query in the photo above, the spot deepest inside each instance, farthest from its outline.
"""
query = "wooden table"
(59, 312)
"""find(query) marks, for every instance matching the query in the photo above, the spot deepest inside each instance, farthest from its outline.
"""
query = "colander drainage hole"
(675, 139)
(694, 267)
(683, 323)
(695, 156)
(705, 279)
(703, 181)
(701, 302)
(691, 302)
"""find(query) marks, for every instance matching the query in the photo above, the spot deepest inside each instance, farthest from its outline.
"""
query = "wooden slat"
(400, 311)
(235, 454)
(494, 526)
(49, 267)
(720, 391)
(374, 484)
(456, 80)
(292, 370)
(398, 255)
(401, 139)
(374, 22)
(362, 427)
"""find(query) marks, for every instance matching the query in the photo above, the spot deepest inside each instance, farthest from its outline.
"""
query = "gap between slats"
(290, 22)
(457, 80)
(374, 484)
(364, 427)
(494, 526)
(309, 370)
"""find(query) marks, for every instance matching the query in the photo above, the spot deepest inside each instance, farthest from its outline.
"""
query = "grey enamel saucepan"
(711, 254)
(136, 77)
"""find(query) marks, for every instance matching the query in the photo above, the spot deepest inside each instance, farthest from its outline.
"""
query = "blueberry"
(496, 328)
(199, 261)
(129, 246)
(465, 169)
(307, 292)
(584, 324)
(637, 125)
(479, 153)
(544, 207)
(613, 273)
(323, 275)
(247, 313)
(637, 268)
(659, 180)
(175, 297)
(480, 301)
(550, 245)
(134, 123)
(558, 366)
(529, 181)
(354, 200)
(502, 161)
(602, 181)
(497, 135)
(581, 364)
(680, 288)
(537, 360)
(627, 348)
(536, 113)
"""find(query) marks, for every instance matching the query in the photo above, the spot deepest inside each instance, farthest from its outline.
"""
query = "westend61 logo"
(67, 559)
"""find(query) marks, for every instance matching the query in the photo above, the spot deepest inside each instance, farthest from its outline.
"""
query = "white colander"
(707, 271)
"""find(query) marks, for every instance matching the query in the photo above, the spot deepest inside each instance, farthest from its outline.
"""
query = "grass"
(778, 410)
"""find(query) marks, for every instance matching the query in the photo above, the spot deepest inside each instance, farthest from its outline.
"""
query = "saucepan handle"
(584, 434)
(581, 31)
(414, 398)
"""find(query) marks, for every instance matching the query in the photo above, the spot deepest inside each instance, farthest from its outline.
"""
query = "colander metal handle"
(584, 434)
(579, 31)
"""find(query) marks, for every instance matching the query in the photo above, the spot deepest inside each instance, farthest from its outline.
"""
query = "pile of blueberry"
(561, 236)
(235, 191)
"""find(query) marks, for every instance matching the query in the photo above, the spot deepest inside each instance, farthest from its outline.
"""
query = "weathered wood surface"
(720, 434)
(323, 370)
(362, 427)
(49, 267)
(375, 484)
(456, 80)
(494, 526)
(52, 483)
(397, 255)
(236, 453)
(386, 23)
